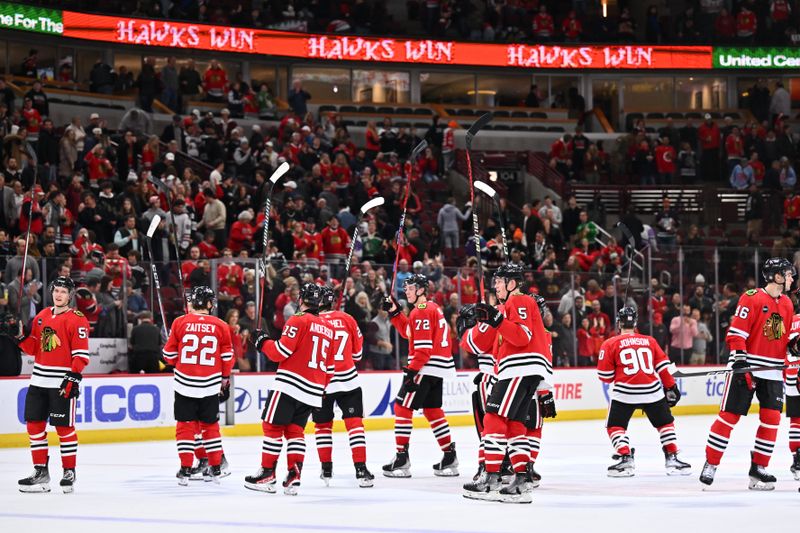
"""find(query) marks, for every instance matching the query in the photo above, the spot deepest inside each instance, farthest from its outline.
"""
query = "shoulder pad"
(77, 313)
(422, 306)
(751, 292)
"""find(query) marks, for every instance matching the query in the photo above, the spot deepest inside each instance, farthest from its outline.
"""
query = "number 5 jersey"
(59, 343)
(200, 348)
(637, 366)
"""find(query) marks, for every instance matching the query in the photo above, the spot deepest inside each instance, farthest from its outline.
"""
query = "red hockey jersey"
(790, 374)
(428, 335)
(480, 340)
(58, 343)
(523, 346)
(637, 366)
(759, 327)
(304, 354)
(200, 348)
(348, 344)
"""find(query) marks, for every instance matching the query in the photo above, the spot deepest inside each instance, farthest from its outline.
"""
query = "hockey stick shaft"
(473, 130)
(632, 244)
(488, 190)
(167, 193)
(743, 370)
(375, 202)
(27, 247)
(157, 284)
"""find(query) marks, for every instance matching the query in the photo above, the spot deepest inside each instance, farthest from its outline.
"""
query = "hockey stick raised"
(372, 204)
(27, 245)
(703, 373)
(418, 149)
(261, 268)
(160, 185)
(492, 193)
(150, 231)
(629, 248)
(476, 234)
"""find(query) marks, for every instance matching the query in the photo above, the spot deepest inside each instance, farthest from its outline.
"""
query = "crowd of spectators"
(693, 21)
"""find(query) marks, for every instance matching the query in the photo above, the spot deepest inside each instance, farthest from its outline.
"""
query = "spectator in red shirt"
(230, 276)
(572, 28)
(207, 247)
(215, 82)
(464, 283)
(746, 25)
(585, 344)
(599, 320)
(560, 157)
(665, 161)
(583, 254)
(98, 167)
(709, 135)
(791, 210)
(428, 166)
(780, 12)
(543, 27)
(241, 233)
(734, 148)
(758, 168)
(725, 26)
(335, 243)
(32, 118)
(116, 266)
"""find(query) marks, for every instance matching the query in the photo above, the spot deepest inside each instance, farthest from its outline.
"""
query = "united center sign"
(747, 58)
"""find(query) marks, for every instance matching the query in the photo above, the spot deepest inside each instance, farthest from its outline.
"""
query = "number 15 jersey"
(637, 366)
(200, 348)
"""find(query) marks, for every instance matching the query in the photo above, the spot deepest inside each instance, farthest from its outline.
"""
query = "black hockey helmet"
(776, 265)
(328, 298)
(467, 318)
(312, 295)
(201, 296)
(627, 317)
(65, 282)
(510, 271)
(420, 281)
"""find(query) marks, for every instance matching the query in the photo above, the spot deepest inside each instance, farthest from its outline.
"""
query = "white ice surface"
(131, 487)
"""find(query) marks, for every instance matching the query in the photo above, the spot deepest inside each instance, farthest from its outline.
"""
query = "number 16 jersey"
(637, 366)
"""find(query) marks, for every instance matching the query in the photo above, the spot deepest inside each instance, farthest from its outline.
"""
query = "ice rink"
(131, 487)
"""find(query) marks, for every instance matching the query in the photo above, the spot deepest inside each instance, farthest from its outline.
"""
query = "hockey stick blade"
(477, 126)
(375, 202)
(486, 189)
(279, 172)
(626, 232)
(418, 149)
(153, 226)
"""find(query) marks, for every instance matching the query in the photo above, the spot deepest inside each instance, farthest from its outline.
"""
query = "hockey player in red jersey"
(521, 351)
(59, 343)
(638, 370)
(757, 336)
(305, 358)
(342, 390)
(430, 362)
(793, 394)
(200, 348)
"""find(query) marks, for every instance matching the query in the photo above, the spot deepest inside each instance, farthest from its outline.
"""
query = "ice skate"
(400, 465)
(263, 480)
(506, 472)
(327, 473)
(183, 475)
(479, 473)
(363, 476)
(448, 466)
(224, 467)
(517, 491)
(795, 468)
(485, 487)
(624, 468)
(707, 475)
(38, 481)
(68, 481)
(760, 479)
(676, 467)
(216, 473)
(292, 481)
(199, 471)
(532, 476)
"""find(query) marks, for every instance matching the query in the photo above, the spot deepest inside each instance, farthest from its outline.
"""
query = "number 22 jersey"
(637, 366)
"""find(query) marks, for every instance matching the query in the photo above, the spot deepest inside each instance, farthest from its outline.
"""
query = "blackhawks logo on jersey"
(50, 340)
(774, 329)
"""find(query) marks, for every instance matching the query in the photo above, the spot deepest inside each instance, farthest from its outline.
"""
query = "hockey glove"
(478, 378)
(70, 385)
(467, 319)
(793, 349)
(225, 389)
(739, 358)
(488, 314)
(260, 336)
(673, 395)
(408, 379)
(391, 306)
(547, 405)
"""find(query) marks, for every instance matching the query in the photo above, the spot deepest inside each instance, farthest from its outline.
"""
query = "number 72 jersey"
(200, 348)
(637, 366)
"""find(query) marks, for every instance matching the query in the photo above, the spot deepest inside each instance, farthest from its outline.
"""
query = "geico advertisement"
(108, 402)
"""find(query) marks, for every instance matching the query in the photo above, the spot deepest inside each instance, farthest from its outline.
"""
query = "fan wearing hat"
(242, 231)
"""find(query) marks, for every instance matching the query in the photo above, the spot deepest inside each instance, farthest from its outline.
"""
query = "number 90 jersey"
(347, 348)
(200, 348)
(304, 354)
(637, 366)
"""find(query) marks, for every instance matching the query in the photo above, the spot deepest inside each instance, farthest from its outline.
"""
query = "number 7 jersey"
(200, 348)
(348, 344)
(637, 366)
